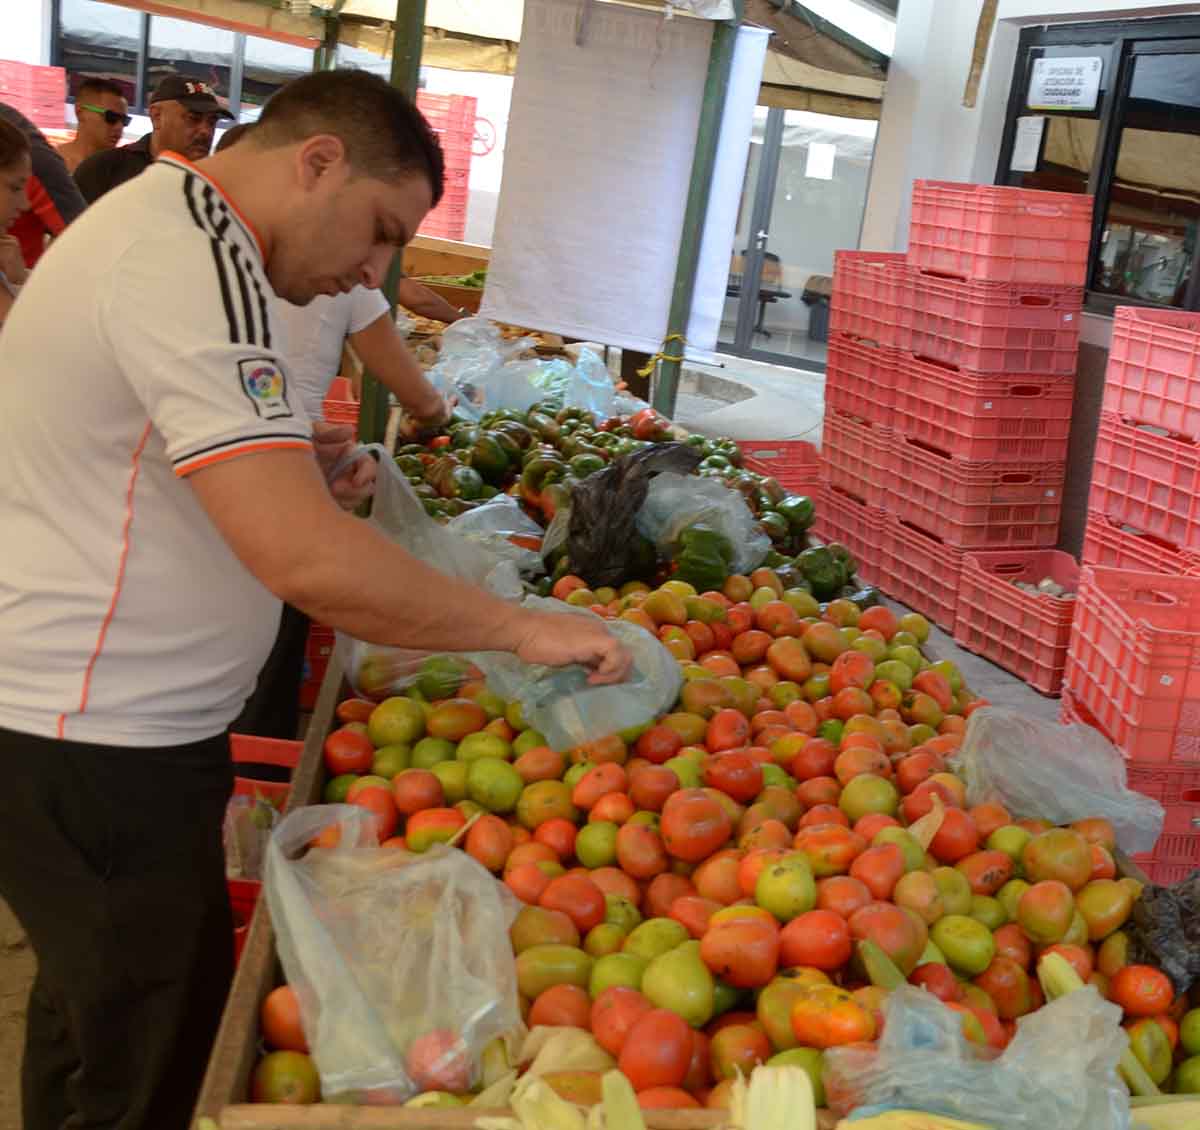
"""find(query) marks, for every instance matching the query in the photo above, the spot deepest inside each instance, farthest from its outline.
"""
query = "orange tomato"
(279, 1021)
(824, 1016)
(1141, 990)
(694, 825)
(742, 952)
(558, 835)
(614, 1012)
(562, 1006)
(818, 938)
(578, 898)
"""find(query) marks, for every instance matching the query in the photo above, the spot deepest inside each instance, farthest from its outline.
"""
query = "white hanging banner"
(596, 171)
(729, 175)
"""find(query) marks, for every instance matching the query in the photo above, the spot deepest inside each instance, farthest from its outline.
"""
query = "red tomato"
(347, 751)
(614, 1012)
(736, 774)
(657, 1051)
(694, 825)
(578, 898)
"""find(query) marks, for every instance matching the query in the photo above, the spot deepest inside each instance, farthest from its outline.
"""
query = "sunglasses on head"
(110, 116)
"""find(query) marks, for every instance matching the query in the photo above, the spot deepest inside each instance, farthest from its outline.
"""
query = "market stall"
(810, 816)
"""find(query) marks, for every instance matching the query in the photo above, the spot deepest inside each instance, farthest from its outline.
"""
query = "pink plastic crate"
(1023, 418)
(843, 518)
(1134, 661)
(992, 327)
(1148, 481)
(860, 379)
(872, 297)
(856, 457)
(995, 233)
(1023, 632)
(975, 505)
(1106, 542)
(793, 463)
(1153, 372)
(920, 570)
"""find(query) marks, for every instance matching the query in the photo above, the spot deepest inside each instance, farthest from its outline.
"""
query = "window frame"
(237, 61)
(1127, 40)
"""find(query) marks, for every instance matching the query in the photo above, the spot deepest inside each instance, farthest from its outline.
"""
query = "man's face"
(92, 125)
(182, 130)
(343, 232)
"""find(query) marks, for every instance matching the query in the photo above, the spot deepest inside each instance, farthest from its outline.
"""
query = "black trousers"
(112, 861)
(273, 710)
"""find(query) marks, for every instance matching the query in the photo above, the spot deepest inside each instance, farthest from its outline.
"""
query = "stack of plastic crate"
(452, 117)
(949, 390)
(40, 93)
(1133, 668)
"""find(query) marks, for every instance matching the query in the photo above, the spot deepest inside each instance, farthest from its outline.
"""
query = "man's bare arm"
(383, 352)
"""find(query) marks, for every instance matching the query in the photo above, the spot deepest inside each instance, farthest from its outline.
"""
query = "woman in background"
(16, 166)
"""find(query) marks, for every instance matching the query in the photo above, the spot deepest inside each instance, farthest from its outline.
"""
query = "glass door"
(806, 187)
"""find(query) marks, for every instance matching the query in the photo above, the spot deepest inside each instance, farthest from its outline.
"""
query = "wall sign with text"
(1065, 83)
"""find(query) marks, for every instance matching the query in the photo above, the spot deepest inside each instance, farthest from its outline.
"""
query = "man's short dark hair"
(232, 136)
(383, 132)
(92, 86)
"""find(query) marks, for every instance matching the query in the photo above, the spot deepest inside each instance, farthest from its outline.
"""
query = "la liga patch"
(265, 387)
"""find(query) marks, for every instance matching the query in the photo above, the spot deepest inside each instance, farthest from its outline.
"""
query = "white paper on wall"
(596, 173)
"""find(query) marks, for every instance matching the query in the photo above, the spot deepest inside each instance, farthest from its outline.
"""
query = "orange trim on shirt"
(225, 195)
(134, 468)
(249, 448)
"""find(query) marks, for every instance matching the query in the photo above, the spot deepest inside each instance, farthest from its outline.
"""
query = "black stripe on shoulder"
(264, 313)
(236, 442)
(190, 184)
(239, 271)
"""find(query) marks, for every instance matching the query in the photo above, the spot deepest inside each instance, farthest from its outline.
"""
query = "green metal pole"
(708, 134)
(406, 69)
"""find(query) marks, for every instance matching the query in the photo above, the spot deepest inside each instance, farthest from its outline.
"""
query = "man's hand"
(558, 638)
(357, 483)
(12, 262)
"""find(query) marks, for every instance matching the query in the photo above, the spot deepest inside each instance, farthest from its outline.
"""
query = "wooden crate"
(427, 255)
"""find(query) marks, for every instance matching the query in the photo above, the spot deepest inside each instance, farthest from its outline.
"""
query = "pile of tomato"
(744, 879)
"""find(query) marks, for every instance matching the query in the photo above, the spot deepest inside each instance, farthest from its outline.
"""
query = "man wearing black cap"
(184, 114)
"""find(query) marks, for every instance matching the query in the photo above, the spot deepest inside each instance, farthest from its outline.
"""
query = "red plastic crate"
(872, 297)
(243, 897)
(995, 233)
(1134, 661)
(844, 518)
(856, 457)
(1024, 633)
(1153, 372)
(244, 749)
(990, 327)
(793, 463)
(1106, 542)
(339, 407)
(1022, 418)
(1148, 481)
(920, 570)
(447, 111)
(860, 379)
(975, 505)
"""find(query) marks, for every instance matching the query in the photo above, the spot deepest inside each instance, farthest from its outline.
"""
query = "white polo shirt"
(141, 350)
(312, 338)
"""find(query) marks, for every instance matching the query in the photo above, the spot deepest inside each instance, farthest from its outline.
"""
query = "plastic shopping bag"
(1059, 1070)
(561, 704)
(1056, 773)
(401, 962)
(674, 502)
(505, 529)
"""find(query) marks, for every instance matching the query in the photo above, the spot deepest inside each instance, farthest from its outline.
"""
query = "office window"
(1113, 109)
(194, 50)
(97, 40)
(268, 65)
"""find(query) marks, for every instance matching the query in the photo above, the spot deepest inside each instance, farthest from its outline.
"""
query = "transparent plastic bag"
(675, 502)
(473, 354)
(1059, 1070)
(401, 962)
(247, 828)
(504, 528)
(590, 386)
(561, 704)
(1056, 773)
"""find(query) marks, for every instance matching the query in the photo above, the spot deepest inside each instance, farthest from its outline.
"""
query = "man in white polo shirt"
(158, 496)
